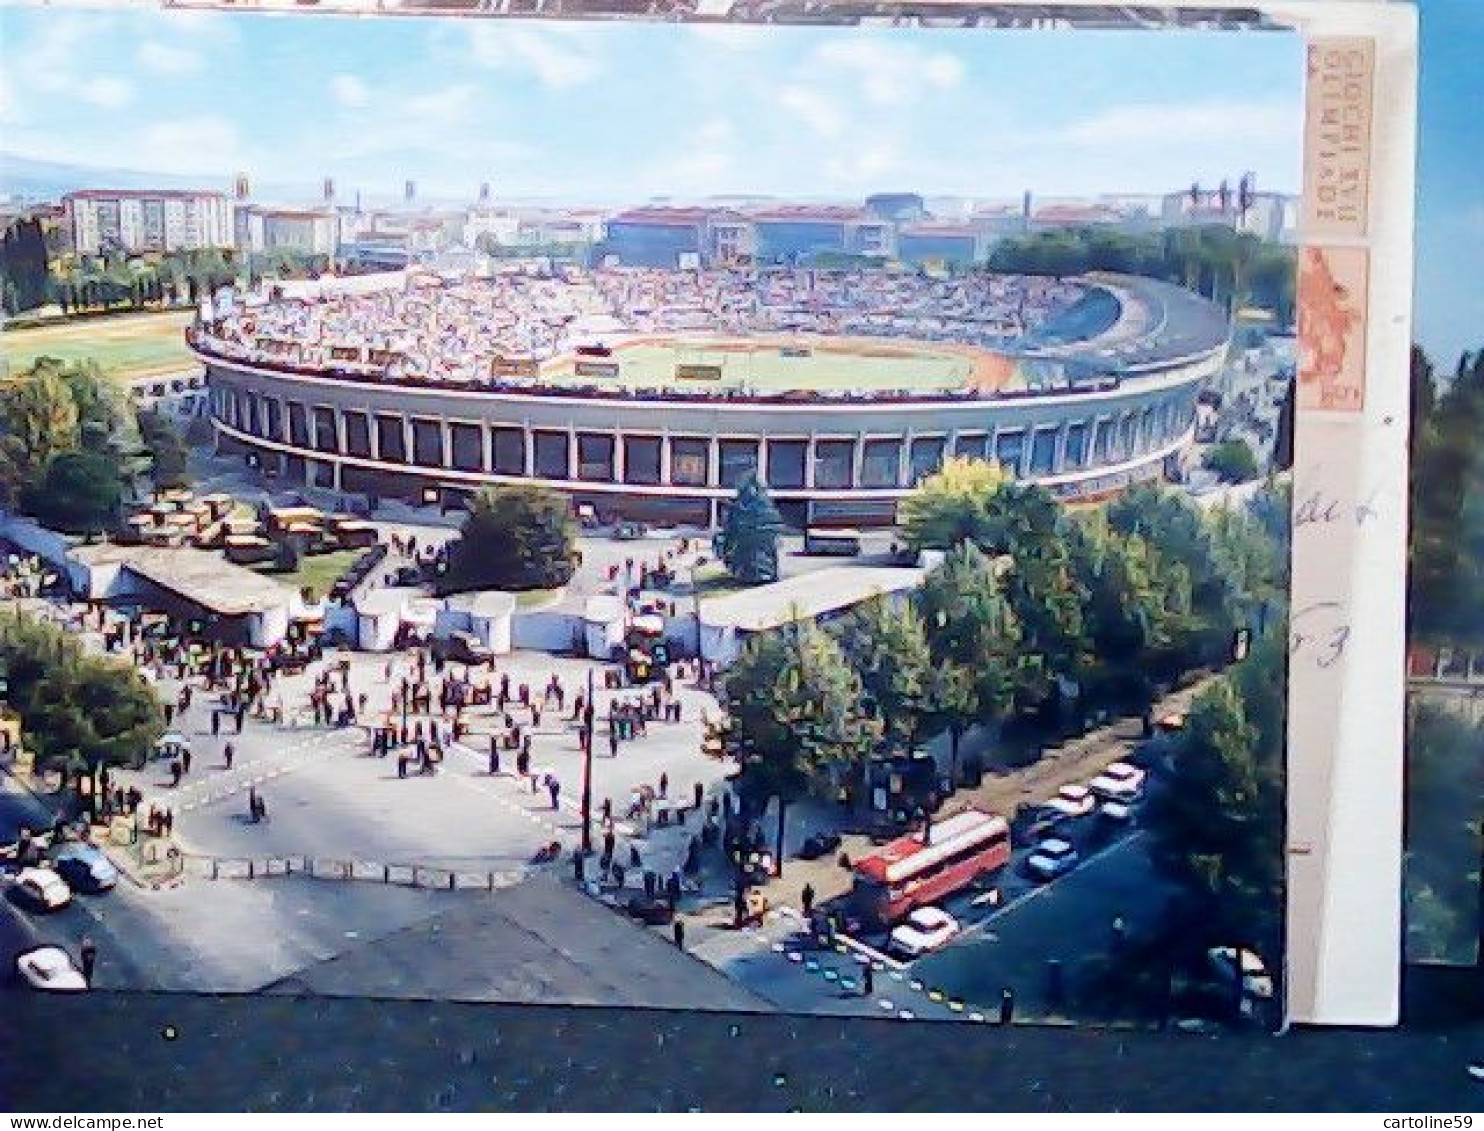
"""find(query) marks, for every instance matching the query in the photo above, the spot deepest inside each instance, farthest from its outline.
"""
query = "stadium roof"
(806, 596)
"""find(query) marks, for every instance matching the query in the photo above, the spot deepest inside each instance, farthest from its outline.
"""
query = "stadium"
(652, 394)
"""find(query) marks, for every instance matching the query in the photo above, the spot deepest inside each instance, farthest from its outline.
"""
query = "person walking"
(494, 755)
(554, 787)
(227, 754)
(664, 784)
(216, 723)
(175, 772)
(252, 804)
(806, 897)
(185, 760)
(678, 930)
(88, 953)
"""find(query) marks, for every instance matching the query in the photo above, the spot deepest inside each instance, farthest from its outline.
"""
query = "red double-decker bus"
(910, 872)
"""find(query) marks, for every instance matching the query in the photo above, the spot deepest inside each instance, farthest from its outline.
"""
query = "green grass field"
(831, 364)
(128, 346)
(318, 571)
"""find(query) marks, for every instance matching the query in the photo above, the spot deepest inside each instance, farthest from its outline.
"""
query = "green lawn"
(127, 346)
(317, 571)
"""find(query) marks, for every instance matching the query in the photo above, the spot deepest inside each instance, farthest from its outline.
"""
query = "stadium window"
(391, 445)
(971, 446)
(1043, 451)
(298, 425)
(508, 451)
(467, 441)
(641, 459)
(1076, 456)
(325, 439)
(252, 414)
(738, 461)
(427, 442)
(1126, 437)
(881, 463)
(551, 454)
(232, 402)
(787, 463)
(1008, 448)
(926, 457)
(690, 462)
(1102, 444)
(595, 457)
(357, 435)
(321, 474)
(834, 463)
(1147, 438)
(272, 419)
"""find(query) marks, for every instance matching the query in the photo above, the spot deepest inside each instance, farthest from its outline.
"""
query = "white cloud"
(440, 108)
(1171, 124)
(890, 74)
(731, 37)
(166, 59)
(349, 91)
(709, 156)
(106, 93)
(201, 144)
(817, 110)
(557, 57)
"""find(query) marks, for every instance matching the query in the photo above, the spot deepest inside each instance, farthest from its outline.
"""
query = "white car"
(1119, 782)
(926, 928)
(50, 968)
(1256, 981)
(1073, 801)
(42, 889)
(1052, 858)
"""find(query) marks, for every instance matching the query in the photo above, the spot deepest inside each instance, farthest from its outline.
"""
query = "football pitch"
(128, 347)
(770, 365)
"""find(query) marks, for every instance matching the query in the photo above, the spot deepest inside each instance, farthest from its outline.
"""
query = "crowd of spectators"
(473, 331)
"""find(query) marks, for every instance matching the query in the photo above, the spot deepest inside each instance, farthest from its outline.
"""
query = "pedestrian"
(252, 804)
(89, 955)
(610, 842)
(185, 760)
(555, 788)
(168, 822)
(169, 713)
(494, 756)
(175, 772)
(635, 860)
(806, 897)
(216, 723)
(401, 765)
(679, 932)
(241, 715)
(868, 979)
(612, 742)
(700, 794)
(227, 753)
(664, 784)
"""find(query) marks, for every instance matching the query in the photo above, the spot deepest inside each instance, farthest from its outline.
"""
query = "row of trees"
(1036, 616)
(1233, 268)
(72, 446)
(116, 280)
(23, 259)
(1447, 488)
(79, 712)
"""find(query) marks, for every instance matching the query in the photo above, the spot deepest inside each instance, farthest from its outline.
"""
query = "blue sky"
(623, 111)
(1450, 181)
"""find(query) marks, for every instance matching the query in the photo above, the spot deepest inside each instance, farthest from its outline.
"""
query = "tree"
(951, 506)
(1216, 826)
(514, 537)
(169, 457)
(748, 540)
(888, 648)
(795, 721)
(79, 494)
(38, 419)
(75, 709)
(23, 262)
(1232, 461)
(975, 642)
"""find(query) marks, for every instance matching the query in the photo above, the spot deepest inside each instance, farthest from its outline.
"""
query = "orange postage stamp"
(1332, 327)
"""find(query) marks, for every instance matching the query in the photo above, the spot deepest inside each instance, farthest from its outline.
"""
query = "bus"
(909, 873)
(832, 543)
(647, 653)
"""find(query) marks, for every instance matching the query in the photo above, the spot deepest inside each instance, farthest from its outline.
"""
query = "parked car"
(1118, 782)
(628, 531)
(1256, 981)
(407, 576)
(84, 867)
(41, 889)
(818, 845)
(49, 969)
(926, 929)
(463, 648)
(1073, 801)
(1052, 858)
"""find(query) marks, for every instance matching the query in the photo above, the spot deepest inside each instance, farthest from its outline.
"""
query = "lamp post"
(587, 771)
